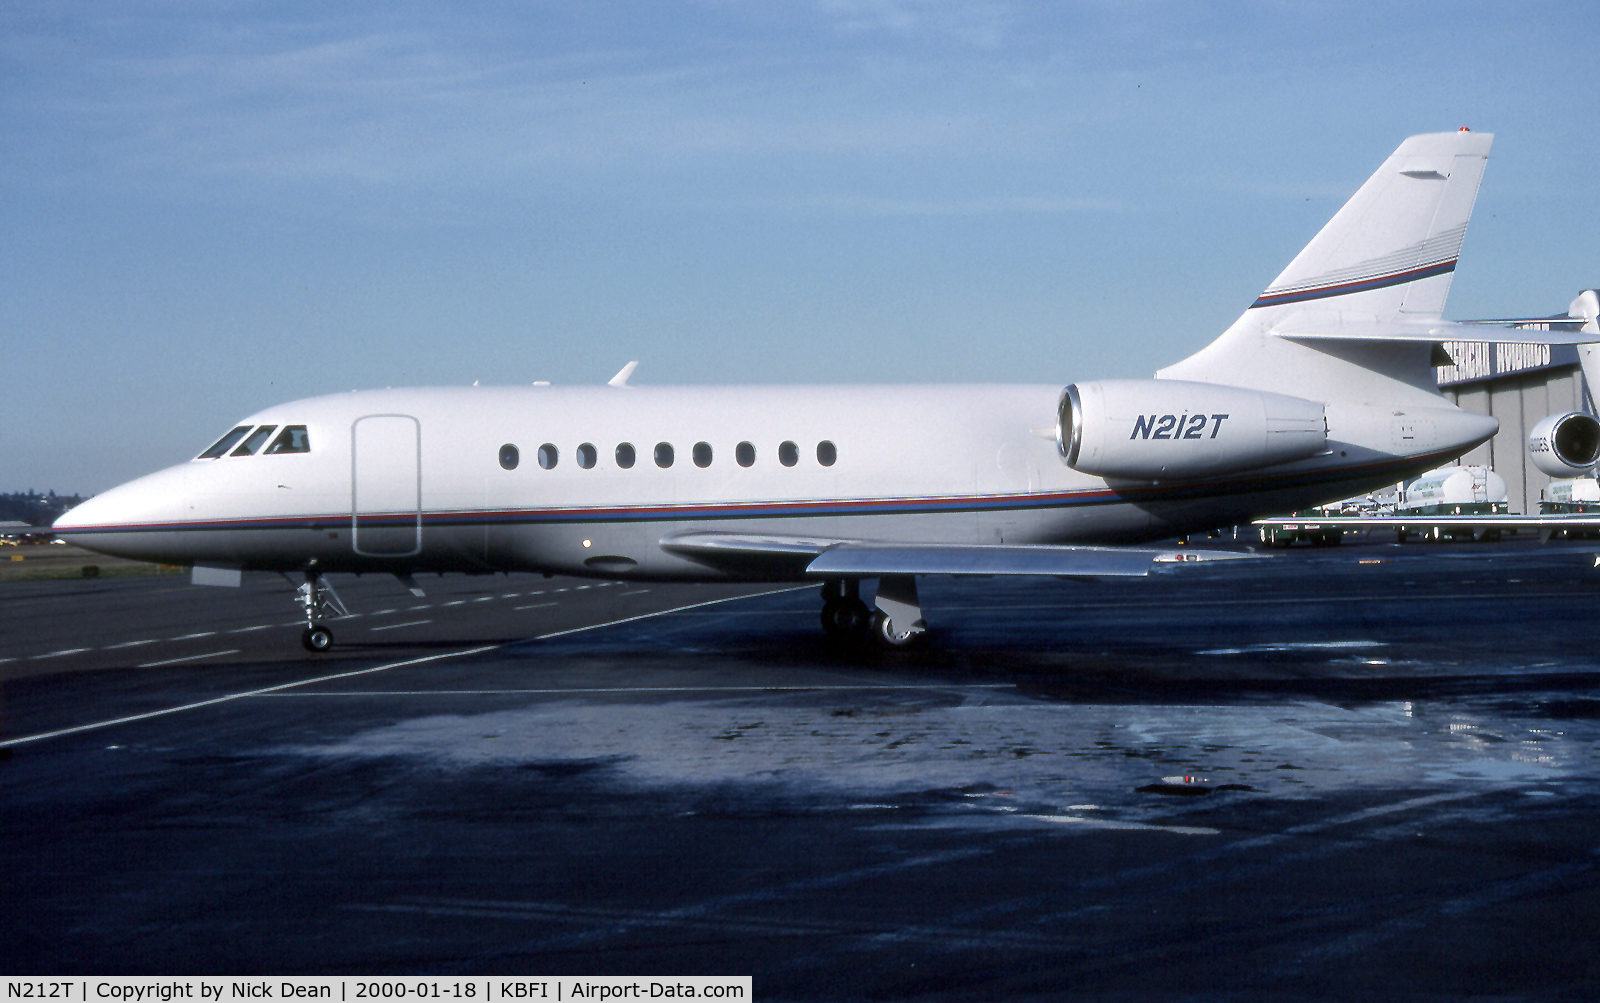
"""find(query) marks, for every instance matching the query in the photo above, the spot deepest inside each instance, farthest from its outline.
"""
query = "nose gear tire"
(317, 639)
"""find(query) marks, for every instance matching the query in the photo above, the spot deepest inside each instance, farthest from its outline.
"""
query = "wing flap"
(822, 557)
(873, 559)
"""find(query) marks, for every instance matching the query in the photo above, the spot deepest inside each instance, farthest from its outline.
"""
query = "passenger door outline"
(386, 485)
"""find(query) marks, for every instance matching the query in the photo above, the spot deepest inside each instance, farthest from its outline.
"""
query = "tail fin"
(1387, 257)
(1587, 306)
(1393, 246)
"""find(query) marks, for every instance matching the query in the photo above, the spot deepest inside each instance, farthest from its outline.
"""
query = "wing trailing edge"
(823, 558)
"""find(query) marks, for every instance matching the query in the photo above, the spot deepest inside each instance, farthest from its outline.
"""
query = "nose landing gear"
(317, 638)
(317, 597)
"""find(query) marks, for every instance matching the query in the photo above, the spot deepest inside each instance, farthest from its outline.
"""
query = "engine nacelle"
(1158, 429)
(1565, 444)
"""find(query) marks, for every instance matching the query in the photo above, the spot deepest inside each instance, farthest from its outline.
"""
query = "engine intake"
(1155, 429)
(1564, 445)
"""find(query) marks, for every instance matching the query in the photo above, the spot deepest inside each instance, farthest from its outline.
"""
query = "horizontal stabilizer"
(1309, 329)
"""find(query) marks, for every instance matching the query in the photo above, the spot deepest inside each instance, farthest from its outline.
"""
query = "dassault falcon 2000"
(1322, 389)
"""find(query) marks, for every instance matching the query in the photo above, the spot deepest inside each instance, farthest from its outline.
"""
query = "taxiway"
(1342, 774)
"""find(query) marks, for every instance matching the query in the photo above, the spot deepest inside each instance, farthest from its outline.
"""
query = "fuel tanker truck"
(1466, 490)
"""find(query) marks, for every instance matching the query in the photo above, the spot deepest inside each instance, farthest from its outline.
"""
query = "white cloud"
(976, 24)
(449, 105)
(871, 205)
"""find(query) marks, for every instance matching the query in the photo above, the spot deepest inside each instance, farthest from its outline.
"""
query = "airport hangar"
(1518, 384)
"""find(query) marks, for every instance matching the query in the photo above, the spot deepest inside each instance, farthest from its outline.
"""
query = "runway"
(1340, 774)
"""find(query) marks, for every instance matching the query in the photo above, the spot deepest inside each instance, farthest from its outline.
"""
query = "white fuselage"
(412, 480)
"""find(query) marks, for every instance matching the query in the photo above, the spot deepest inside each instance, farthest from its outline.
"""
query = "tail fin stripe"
(1344, 288)
(1424, 259)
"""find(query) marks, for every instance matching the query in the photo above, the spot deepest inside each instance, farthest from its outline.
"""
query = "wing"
(813, 557)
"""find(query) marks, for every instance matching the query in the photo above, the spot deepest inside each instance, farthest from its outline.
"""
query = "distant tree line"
(35, 509)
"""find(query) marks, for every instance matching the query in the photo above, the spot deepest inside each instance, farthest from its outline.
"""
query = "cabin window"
(225, 443)
(745, 453)
(253, 443)
(702, 454)
(292, 439)
(586, 455)
(663, 455)
(548, 456)
(788, 454)
(509, 456)
(827, 453)
(625, 455)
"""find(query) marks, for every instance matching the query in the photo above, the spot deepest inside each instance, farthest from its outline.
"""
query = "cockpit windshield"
(225, 443)
(254, 440)
(293, 439)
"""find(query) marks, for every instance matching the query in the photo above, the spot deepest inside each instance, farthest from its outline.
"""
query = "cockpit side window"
(292, 439)
(225, 443)
(253, 443)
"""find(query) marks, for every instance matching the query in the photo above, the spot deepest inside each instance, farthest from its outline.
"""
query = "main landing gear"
(893, 621)
(317, 597)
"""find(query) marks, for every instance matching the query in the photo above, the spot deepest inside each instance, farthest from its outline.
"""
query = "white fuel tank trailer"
(1571, 495)
(1469, 490)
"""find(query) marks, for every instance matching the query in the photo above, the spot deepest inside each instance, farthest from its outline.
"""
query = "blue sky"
(210, 207)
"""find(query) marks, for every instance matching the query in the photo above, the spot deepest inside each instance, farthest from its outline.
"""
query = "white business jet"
(1323, 389)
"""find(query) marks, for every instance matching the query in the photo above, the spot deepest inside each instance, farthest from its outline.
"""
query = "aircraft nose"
(119, 508)
(100, 512)
(127, 519)
(81, 515)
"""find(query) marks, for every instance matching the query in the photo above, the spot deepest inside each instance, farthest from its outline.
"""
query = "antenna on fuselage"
(623, 374)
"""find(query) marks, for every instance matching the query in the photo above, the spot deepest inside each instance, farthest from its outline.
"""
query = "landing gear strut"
(844, 615)
(896, 622)
(315, 598)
